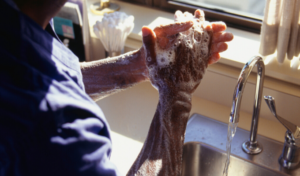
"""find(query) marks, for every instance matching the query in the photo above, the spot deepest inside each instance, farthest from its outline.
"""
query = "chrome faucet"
(251, 146)
(290, 156)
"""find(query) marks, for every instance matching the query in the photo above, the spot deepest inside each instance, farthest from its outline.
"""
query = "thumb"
(149, 39)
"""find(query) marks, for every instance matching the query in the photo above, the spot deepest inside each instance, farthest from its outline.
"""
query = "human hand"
(177, 55)
(219, 37)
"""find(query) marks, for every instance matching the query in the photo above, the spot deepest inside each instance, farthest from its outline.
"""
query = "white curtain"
(281, 30)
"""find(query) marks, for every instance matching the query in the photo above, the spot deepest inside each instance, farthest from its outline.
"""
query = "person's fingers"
(163, 42)
(214, 58)
(222, 37)
(188, 15)
(207, 26)
(178, 15)
(172, 29)
(218, 47)
(149, 45)
(218, 26)
(199, 14)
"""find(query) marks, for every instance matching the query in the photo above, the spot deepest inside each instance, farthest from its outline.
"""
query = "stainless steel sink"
(205, 145)
(202, 159)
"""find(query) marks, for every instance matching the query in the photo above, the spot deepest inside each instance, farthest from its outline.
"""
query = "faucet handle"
(290, 156)
(294, 129)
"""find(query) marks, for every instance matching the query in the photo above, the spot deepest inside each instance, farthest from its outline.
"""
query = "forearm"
(162, 150)
(110, 75)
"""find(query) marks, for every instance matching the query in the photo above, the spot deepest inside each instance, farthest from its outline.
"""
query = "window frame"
(140, 2)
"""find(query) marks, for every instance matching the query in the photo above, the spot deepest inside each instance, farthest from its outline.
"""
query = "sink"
(202, 159)
(204, 152)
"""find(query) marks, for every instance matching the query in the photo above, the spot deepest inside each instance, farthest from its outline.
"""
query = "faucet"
(251, 146)
(290, 156)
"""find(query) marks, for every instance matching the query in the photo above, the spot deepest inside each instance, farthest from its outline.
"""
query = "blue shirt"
(48, 124)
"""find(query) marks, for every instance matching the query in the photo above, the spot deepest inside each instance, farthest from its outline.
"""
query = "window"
(242, 14)
(247, 8)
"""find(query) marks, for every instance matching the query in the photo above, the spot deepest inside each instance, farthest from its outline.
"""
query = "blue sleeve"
(81, 141)
(48, 125)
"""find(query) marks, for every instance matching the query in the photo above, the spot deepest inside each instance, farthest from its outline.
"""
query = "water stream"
(230, 134)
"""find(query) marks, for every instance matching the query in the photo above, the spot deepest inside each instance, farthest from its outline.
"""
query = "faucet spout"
(251, 146)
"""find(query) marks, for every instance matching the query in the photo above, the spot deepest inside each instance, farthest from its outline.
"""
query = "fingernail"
(145, 32)
(229, 36)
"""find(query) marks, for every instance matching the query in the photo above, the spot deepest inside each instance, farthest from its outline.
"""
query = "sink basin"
(202, 159)
(205, 145)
